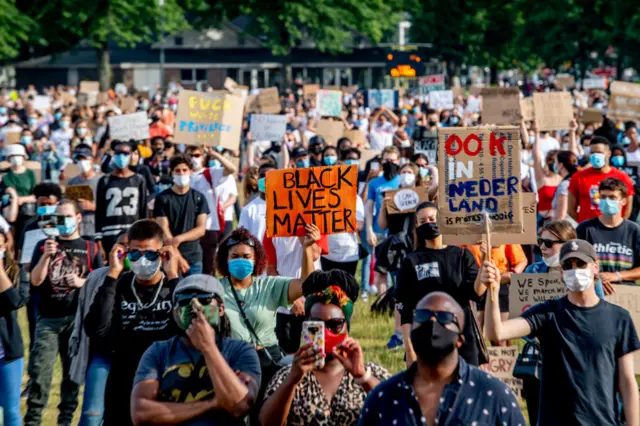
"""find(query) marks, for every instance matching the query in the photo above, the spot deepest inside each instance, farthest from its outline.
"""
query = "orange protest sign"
(324, 196)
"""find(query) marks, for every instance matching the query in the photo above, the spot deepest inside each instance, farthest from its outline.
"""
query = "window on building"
(178, 40)
(241, 39)
(193, 75)
(201, 74)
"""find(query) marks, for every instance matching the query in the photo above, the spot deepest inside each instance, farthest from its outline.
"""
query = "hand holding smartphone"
(313, 333)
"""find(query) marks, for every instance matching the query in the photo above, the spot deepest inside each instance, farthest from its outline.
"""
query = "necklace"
(141, 305)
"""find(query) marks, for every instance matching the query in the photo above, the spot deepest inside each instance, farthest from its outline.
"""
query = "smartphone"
(313, 332)
(375, 166)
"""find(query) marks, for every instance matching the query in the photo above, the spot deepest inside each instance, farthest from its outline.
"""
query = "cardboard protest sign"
(554, 111)
(594, 83)
(309, 90)
(501, 105)
(526, 290)
(430, 83)
(502, 361)
(441, 99)
(12, 137)
(329, 103)
(268, 127)
(41, 103)
(527, 110)
(366, 155)
(210, 119)
(324, 196)
(625, 101)
(129, 126)
(251, 105)
(269, 101)
(565, 81)
(529, 233)
(128, 105)
(405, 200)
(628, 297)
(67, 98)
(351, 90)
(87, 99)
(479, 173)
(356, 137)
(330, 130)
(383, 97)
(78, 192)
(89, 87)
(592, 115)
(427, 145)
(230, 84)
(476, 89)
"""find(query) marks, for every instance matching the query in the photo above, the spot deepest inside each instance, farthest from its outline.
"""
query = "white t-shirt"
(254, 217)
(633, 157)
(224, 191)
(62, 140)
(548, 144)
(289, 256)
(200, 183)
(4, 225)
(344, 247)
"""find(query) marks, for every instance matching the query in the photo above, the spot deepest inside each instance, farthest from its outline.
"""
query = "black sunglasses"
(135, 255)
(548, 243)
(121, 153)
(232, 242)
(184, 299)
(443, 317)
(567, 265)
(336, 325)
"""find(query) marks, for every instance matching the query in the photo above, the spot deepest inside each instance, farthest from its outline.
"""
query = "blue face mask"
(330, 161)
(68, 228)
(424, 172)
(64, 125)
(57, 116)
(240, 268)
(609, 207)
(33, 122)
(303, 164)
(122, 161)
(219, 148)
(215, 164)
(26, 140)
(352, 162)
(617, 161)
(597, 160)
(3, 110)
(43, 210)
(262, 186)
(454, 121)
(626, 140)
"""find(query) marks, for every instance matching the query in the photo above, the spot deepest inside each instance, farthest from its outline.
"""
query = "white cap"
(15, 149)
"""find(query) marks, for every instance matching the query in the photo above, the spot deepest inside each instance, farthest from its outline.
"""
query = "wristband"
(365, 378)
(619, 275)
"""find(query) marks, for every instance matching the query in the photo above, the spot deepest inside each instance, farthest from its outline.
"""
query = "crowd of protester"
(169, 304)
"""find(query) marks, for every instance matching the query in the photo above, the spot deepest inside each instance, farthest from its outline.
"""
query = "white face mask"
(578, 279)
(181, 180)
(196, 162)
(552, 261)
(145, 269)
(407, 179)
(84, 165)
(17, 160)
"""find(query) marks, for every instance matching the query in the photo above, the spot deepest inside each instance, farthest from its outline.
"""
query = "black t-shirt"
(452, 270)
(56, 298)
(182, 211)
(580, 351)
(618, 248)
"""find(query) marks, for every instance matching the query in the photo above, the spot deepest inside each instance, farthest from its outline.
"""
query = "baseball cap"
(299, 152)
(200, 283)
(15, 149)
(82, 150)
(578, 249)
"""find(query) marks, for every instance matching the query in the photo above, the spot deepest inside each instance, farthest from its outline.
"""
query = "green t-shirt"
(261, 302)
(23, 183)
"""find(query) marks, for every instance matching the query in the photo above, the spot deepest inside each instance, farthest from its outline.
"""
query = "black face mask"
(428, 231)
(432, 123)
(155, 118)
(390, 170)
(432, 342)
(158, 151)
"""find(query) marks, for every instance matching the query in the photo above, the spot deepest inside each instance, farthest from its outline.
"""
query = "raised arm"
(629, 389)
(308, 266)
(537, 158)
(229, 167)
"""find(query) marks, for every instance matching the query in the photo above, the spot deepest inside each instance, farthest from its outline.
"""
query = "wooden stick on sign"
(487, 255)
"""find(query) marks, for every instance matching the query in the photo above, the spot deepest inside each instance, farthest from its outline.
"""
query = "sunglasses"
(135, 255)
(568, 264)
(122, 153)
(232, 242)
(336, 325)
(196, 155)
(548, 243)
(184, 299)
(443, 317)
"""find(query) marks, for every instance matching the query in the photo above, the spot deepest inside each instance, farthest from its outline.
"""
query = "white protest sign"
(268, 127)
(430, 83)
(382, 97)
(473, 104)
(594, 83)
(41, 103)
(129, 126)
(441, 99)
(31, 238)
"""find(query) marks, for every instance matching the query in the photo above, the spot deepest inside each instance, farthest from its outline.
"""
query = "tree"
(15, 29)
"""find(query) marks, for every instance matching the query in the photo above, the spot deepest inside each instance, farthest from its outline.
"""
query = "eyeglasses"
(548, 243)
(183, 299)
(567, 265)
(232, 242)
(443, 317)
(336, 325)
(135, 255)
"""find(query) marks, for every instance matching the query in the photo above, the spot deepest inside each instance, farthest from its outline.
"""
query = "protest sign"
(309, 91)
(87, 99)
(128, 104)
(474, 104)
(441, 99)
(476, 89)
(625, 101)
(329, 103)
(430, 83)
(12, 137)
(628, 297)
(89, 87)
(479, 172)
(252, 105)
(427, 145)
(525, 290)
(324, 196)
(527, 110)
(67, 98)
(41, 103)
(351, 90)
(129, 126)
(356, 137)
(330, 130)
(268, 127)
(366, 155)
(209, 119)
(383, 97)
(554, 111)
(103, 97)
(230, 84)
(529, 227)
(405, 200)
(31, 239)
(502, 361)
(501, 105)
(269, 101)
(592, 115)
(565, 81)
(594, 83)
(78, 192)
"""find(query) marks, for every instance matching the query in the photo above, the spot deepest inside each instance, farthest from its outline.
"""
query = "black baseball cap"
(578, 249)
(299, 152)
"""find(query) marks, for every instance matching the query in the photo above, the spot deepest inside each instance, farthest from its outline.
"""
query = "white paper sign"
(31, 238)
(129, 126)
(441, 99)
(41, 103)
(473, 104)
(268, 127)
(406, 199)
(594, 83)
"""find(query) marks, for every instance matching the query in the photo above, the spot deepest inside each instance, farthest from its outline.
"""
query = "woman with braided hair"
(333, 395)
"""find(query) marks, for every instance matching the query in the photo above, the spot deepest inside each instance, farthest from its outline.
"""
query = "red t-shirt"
(584, 188)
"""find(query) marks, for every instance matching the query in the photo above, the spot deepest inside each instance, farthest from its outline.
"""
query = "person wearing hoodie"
(83, 158)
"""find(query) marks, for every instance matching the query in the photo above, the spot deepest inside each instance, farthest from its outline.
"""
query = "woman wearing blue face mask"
(329, 156)
(251, 300)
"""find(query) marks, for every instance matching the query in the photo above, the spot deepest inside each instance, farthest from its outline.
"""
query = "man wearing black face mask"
(440, 387)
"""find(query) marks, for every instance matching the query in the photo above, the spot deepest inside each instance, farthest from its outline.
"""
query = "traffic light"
(404, 64)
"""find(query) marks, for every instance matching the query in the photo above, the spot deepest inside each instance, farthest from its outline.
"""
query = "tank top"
(545, 197)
